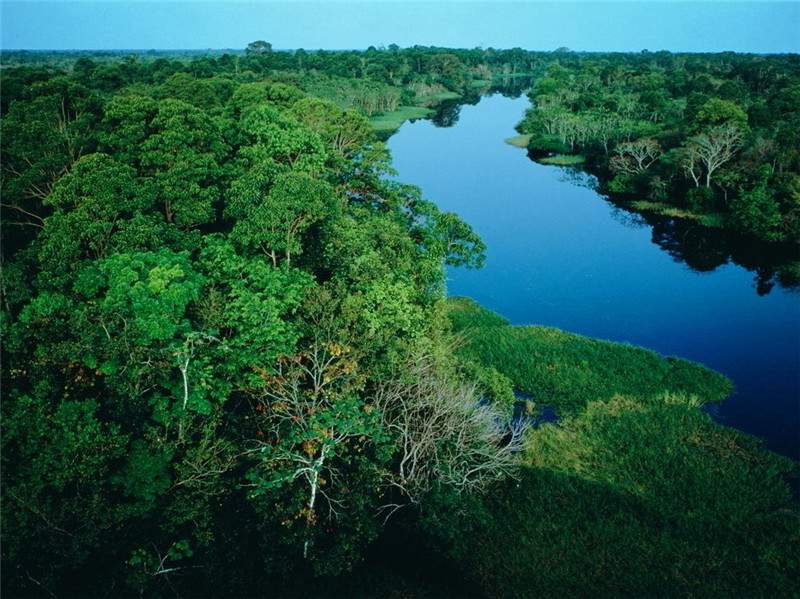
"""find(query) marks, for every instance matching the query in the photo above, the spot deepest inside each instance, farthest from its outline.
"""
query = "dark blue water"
(561, 255)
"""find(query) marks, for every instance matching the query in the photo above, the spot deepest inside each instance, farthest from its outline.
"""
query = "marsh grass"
(435, 98)
(519, 141)
(391, 121)
(709, 219)
(562, 160)
(635, 492)
(567, 371)
(634, 497)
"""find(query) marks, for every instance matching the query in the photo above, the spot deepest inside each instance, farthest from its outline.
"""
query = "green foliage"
(279, 137)
(146, 293)
(275, 222)
(757, 211)
(60, 504)
(667, 126)
(343, 131)
(100, 207)
(700, 199)
(182, 155)
(567, 371)
(717, 112)
(195, 242)
(547, 144)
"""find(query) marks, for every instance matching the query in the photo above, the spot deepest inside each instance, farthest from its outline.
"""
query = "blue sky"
(588, 25)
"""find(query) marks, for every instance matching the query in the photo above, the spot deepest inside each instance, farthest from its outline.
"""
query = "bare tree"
(186, 353)
(444, 433)
(712, 150)
(605, 128)
(691, 164)
(635, 157)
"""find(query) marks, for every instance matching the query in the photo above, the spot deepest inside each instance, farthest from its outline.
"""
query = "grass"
(635, 492)
(391, 121)
(431, 99)
(563, 160)
(519, 141)
(711, 219)
(568, 371)
(636, 498)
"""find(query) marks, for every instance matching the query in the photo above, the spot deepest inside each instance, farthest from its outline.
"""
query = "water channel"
(560, 254)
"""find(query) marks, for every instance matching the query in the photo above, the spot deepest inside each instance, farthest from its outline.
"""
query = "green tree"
(274, 221)
(99, 207)
(183, 157)
(258, 47)
(756, 211)
(717, 112)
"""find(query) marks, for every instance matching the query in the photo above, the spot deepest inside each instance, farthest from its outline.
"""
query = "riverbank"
(387, 123)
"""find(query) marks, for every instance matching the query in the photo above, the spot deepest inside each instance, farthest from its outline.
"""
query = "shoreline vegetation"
(709, 141)
(230, 366)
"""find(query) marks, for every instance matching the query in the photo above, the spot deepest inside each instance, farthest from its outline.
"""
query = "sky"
(713, 26)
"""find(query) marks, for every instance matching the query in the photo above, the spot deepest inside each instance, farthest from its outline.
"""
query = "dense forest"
(710, 138)
(230, 368)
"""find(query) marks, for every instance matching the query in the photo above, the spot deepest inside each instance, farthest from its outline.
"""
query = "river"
(560, 254)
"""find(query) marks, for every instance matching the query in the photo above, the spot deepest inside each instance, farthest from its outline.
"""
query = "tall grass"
(708, 219)
(563, 159)
(568, 371)
(631, 497)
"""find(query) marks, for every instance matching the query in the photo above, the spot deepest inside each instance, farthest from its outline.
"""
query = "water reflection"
(704, 249)
(447, 112)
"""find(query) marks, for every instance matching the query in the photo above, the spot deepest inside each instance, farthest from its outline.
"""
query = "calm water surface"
(560, 255)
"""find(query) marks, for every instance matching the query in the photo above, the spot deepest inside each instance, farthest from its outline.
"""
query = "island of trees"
(230, 368)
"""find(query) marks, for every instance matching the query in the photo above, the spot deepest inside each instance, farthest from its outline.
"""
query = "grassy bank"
(563, 160)
(388, 122)
(568, 371)
(712, 219)
(435, 98)
(635, 492)
(519, 141)
(632, 499)
(391, 121)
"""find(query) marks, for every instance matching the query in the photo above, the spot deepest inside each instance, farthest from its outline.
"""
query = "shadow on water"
(704, 249)
(534, 414)
(448, 111)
